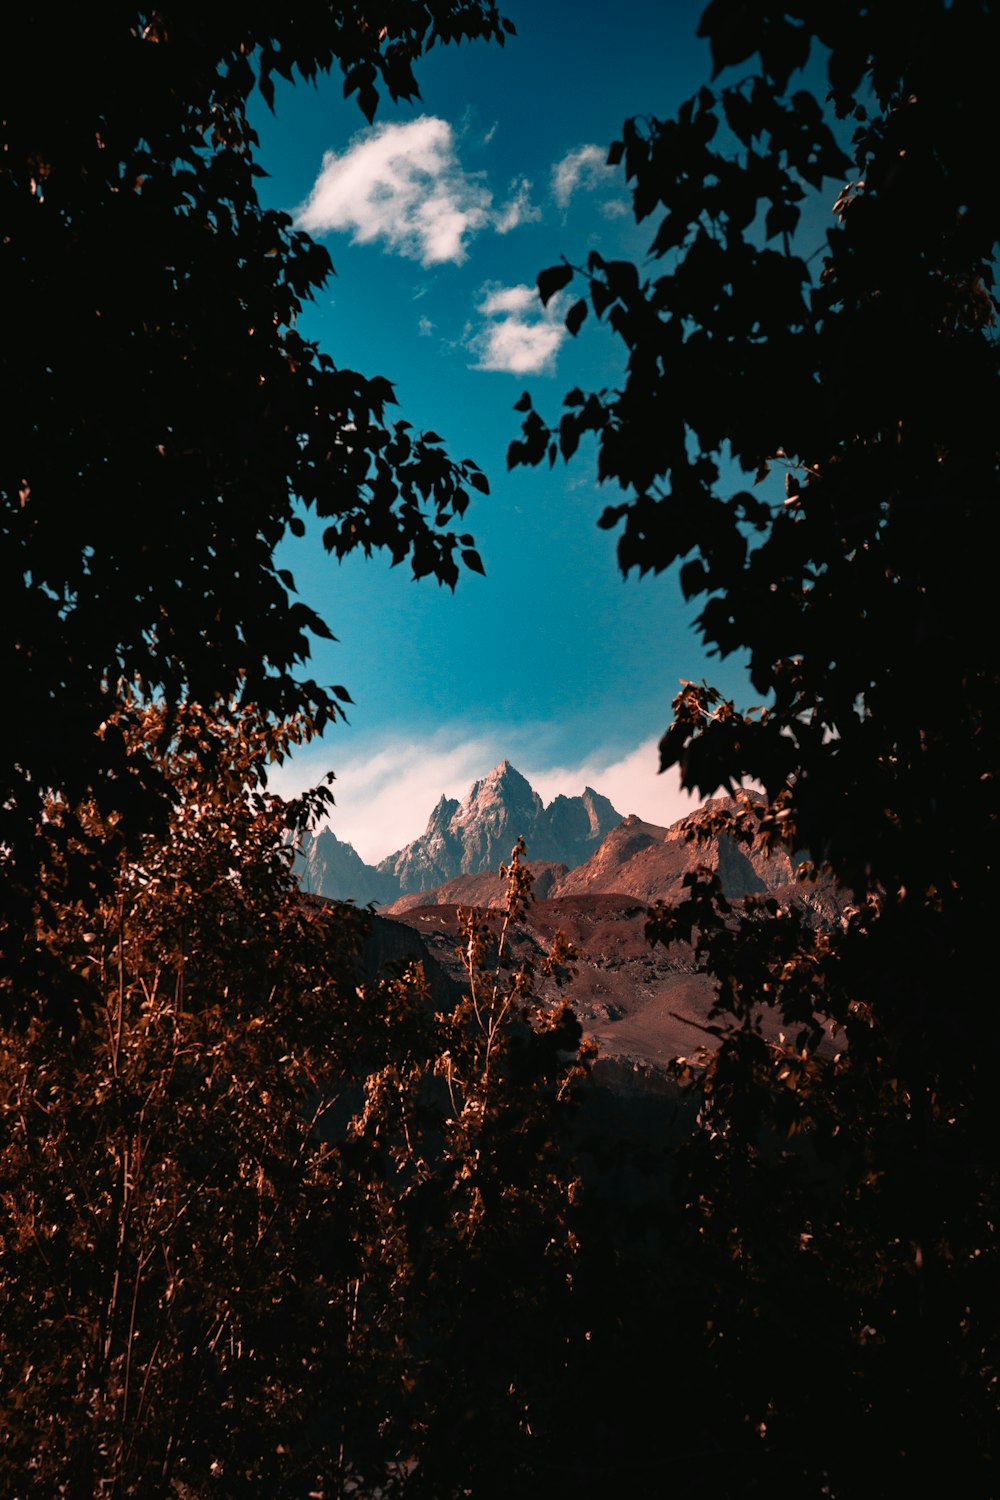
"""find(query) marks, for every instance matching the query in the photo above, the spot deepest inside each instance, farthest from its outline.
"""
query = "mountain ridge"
(462, 839)
(642, 1005)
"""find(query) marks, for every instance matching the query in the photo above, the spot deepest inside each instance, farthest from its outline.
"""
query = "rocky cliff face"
(572, 828)
(327, 866)
(429, 859)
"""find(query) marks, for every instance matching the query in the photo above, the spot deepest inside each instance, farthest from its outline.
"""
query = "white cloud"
(518, 334)
(425, 327)
(385, 799)
(520, 209)
(586, 167)
(516, 300)
(631, 782)
(404, 185)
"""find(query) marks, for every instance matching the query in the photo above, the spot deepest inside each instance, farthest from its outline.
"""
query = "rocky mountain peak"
(327, 866)
(504, 782)
(503, 792)
(478, 834)
(443, 812)
(465, 839)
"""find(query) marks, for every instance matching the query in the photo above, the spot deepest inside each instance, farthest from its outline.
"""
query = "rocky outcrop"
(633, 859)
(571, 828)
(429, 859)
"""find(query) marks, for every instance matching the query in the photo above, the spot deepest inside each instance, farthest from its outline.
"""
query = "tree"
(166, 424)
(254, 1208)
(464, 1169)
(263, 1219)
(855, 357)
(864, 384)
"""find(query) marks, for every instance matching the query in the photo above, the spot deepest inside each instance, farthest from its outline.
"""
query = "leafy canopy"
(263, 1214)
(166, 424)
(852, 354)
(840, 1195)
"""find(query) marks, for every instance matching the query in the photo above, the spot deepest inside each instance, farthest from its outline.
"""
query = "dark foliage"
(267, 1229)
(165, 423)
(270, 1230)
(841, 1196)
(857, 360)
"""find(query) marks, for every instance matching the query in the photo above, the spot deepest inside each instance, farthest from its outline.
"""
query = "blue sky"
(438, 220)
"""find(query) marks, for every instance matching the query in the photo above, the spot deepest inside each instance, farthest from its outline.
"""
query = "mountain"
(643, 860)
(478, 834)
(464, 838)
(485, 889)
(643, 1005)
(596, 875)
(327, 866)
(649, 863)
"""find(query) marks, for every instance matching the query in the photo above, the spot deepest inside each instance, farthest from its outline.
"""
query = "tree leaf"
(553, 280)
(575, 317)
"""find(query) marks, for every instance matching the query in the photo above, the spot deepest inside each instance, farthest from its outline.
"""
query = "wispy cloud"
(631, 782)
(385, 799)
(404, 185)
(585, 167)
(518, 334)
(519, 210)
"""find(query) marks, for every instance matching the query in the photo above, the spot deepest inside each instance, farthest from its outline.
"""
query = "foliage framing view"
(271, 1228)
(859, 359)
(256, 1214)
(167, 424)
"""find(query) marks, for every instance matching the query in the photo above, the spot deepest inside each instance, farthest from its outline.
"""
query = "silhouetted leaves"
(575, 317)
(166, 423)
(845, 342)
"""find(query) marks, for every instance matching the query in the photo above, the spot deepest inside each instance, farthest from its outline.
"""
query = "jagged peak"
(504, 771)
(477, 833)
(504, 783)
(324, 835)
(444, 809)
